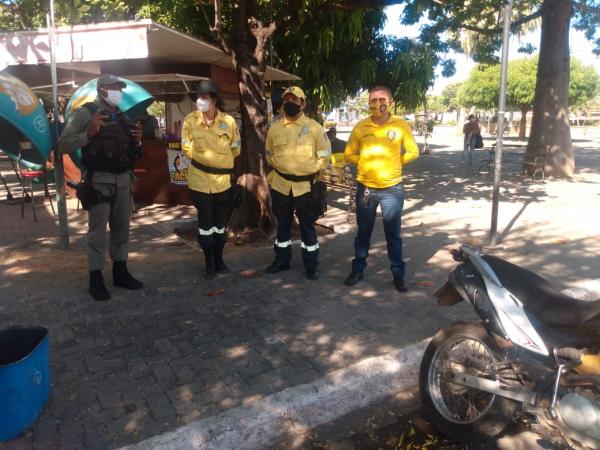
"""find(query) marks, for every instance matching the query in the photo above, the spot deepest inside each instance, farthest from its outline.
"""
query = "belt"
(296, 178)
(211, 170)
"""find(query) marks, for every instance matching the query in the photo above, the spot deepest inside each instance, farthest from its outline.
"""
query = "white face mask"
(202, 104)
(113, 97)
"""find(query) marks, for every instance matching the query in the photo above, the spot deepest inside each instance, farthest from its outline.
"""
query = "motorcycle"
(534, 356)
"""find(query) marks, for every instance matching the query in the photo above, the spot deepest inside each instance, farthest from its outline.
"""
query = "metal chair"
(29, 178)
(9, 195)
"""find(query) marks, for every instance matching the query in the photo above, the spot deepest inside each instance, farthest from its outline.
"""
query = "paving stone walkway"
(149, 361)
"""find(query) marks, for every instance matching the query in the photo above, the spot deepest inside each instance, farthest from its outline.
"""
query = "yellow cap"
(294, 90)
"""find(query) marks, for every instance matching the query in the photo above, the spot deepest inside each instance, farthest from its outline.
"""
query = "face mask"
(291, 109)
(378, 110)
(203, 105)
(113, 97)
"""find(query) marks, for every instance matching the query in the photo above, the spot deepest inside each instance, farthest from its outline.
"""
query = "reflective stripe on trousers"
(211, 231)
(309, 248)
(282, 244)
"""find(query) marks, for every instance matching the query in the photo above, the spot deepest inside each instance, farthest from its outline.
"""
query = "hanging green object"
(23, 123)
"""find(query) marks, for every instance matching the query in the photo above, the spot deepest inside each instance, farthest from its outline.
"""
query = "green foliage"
(435, 104)
(475, 26)
(584, 84)
(157, 109)
(28, 14)
(482, 88)
(338, 54)
(520, 88)
(449, 96)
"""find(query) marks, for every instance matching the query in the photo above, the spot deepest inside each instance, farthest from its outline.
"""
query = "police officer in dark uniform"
(110, 143)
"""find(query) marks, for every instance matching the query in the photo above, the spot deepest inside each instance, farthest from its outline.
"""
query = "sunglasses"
(381, 101)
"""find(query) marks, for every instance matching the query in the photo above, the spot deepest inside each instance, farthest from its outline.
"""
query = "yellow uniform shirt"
(337, 159)
(381, 158)
(298, 147)
(214, 146)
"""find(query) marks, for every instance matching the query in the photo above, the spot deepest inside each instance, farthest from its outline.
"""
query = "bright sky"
(581, 48)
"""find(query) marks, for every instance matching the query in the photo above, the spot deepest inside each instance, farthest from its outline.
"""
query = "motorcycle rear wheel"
(462, 413)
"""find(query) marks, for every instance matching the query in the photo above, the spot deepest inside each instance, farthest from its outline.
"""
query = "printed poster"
(178, 163)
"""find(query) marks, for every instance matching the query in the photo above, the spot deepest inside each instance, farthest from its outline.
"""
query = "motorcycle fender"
(447, 295)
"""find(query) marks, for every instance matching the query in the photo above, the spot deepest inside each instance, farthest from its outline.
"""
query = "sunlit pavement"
(150, 361)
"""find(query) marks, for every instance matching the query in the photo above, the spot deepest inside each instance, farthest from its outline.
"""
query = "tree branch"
(262, 35)
(513, 26)
(583, 7)
(218, 24)
(290, 14)
(217, 29)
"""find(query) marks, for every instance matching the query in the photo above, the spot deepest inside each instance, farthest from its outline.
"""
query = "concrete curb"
(298, 409)
(294, 411)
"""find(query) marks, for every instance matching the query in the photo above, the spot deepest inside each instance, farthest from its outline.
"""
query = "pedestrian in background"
(211, 140)
(381, 145)
(297, 150)
(470, 130)
(337, 145)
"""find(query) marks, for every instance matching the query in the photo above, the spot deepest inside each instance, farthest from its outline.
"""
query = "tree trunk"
(550, 123)
(256, 208)
(523, 122)
(248, 42)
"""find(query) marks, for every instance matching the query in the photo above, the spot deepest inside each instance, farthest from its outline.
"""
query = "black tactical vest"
(112, 149)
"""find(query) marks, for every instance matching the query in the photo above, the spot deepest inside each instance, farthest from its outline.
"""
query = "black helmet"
(206, 87)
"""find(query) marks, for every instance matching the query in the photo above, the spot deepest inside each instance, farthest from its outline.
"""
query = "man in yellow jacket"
(380, 145)
(297, 150)
(211, 140)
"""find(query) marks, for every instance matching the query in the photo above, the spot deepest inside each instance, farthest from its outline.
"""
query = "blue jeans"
(392, 201)
(469, 148)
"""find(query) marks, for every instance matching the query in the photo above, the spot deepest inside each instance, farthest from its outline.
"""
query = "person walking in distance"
(470, 130)
(381, 145)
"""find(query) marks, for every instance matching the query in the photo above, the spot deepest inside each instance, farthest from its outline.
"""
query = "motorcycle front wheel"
(459, 412)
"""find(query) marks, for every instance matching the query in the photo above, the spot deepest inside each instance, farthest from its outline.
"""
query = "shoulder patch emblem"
(305, 130)
(223, 126)
(391, 135)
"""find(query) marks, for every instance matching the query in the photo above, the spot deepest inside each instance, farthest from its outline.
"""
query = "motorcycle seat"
(540, 298)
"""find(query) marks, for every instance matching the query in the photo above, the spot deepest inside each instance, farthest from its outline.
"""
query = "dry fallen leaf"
(562, 241)
(216, 292)
(250, 274)
(424, 283)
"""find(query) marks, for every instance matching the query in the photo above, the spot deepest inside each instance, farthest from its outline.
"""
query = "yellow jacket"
(380, 151)
(298, 147)
(214, 146)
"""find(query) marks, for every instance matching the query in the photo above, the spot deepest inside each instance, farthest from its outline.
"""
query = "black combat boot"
(220, 265)
(97, 289)
(209, 259)
(122, 277)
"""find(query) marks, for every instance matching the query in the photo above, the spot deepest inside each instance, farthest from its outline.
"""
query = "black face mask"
(291, 109)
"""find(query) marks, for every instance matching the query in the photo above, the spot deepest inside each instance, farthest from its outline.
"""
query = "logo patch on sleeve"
(391, 135)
